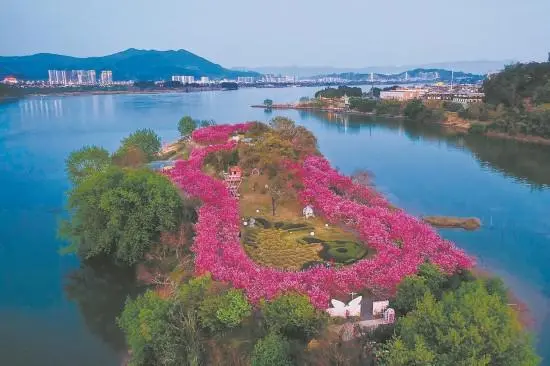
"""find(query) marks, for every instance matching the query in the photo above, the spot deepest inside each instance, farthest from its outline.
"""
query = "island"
(255, 251)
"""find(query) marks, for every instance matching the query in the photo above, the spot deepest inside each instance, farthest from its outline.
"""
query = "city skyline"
(255, 33)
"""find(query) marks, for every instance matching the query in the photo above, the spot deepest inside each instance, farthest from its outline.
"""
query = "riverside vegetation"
(216, 292)
(517, 104)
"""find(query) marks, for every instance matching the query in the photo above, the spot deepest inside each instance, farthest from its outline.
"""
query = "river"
(56, 311)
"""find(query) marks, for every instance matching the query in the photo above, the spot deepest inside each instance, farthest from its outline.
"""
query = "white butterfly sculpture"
(353, 308)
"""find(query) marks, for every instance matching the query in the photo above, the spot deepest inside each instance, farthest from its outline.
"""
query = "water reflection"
(100, 289)
(526, 162)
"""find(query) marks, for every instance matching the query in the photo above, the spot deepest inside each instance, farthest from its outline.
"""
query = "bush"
(452, 106)
(220, 312)
(272, 350)
(293, 315)
(477, 128)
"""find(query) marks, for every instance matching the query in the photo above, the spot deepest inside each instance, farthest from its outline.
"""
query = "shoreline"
(455, 126)
(330, 110)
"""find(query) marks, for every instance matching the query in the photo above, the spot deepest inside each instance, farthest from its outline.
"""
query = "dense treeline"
(517, 83)
(339, 92)
(517, 100)
(7, 91)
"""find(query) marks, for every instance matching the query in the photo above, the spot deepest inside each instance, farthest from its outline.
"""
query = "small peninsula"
(255, 251)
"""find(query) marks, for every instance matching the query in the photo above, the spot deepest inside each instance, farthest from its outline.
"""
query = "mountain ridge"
(126, 65)
(473, 67)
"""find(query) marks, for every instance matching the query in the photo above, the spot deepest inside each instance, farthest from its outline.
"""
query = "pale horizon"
(246, 33)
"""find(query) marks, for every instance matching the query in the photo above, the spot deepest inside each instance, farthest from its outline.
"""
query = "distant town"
(104, 78)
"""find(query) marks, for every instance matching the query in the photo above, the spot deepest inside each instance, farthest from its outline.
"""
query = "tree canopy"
(468, 326)
(339, 92)
(174, 330)
(146, 140)
(293, 315)
(121, 213)
(272, 350)
(516, 82)
(86, 161)
(186, 126)
(416, 111)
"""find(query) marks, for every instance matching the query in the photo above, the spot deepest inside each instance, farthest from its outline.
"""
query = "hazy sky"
(350, 33)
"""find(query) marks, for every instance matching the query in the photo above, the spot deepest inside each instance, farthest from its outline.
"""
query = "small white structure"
(308, 212)
(353, 308)
(389, 316)
(378, 307)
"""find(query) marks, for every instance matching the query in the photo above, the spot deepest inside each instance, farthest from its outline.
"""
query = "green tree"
(146, 140)
(468, 326)
(409, 292)
(161, 332)
(268, 103)
(542, 94)
(186, 126)
(121, 213)
(294, 316)
(435, 279)
(207, 123)
(130, 157)
(86, 161)
(272, 350)
(225, 311)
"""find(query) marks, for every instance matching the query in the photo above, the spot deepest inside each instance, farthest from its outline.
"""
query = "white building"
(57, 77)
(246, 79)
(402, 94)
(106, 77)
(205, 80)
(72, 77)
(184, 79)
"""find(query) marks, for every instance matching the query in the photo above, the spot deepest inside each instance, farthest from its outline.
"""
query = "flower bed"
(221, 133)
(218, 249)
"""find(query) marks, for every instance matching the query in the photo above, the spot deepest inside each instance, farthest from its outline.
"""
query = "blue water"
(56, 311)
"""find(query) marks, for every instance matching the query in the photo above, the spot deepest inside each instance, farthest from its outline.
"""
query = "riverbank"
(345, 111)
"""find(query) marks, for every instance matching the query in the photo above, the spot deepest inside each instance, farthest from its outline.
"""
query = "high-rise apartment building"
(183, 79)
(72, 77)
(205, 80)
(106, 77)
(58, 77)
(246, 79)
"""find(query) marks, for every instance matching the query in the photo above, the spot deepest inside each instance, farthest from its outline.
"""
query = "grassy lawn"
(286, 241)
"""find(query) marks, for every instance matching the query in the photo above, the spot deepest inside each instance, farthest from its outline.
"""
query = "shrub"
(477, 128)
(272, 350)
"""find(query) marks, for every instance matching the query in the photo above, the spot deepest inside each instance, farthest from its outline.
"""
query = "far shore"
(452, 125)
(324, 109)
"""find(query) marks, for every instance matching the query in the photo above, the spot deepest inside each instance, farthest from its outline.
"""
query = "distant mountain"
(131, 64)
(474, 67)
(412, 75)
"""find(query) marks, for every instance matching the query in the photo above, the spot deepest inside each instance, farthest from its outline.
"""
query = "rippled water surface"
(55, 311)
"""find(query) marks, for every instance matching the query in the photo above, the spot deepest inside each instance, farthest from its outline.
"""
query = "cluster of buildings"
(463, 94)
(243, 80)
(79, 77)
(186, 79)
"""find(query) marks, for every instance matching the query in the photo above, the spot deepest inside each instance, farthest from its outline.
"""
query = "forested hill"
(519, 82)
(131, 64)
